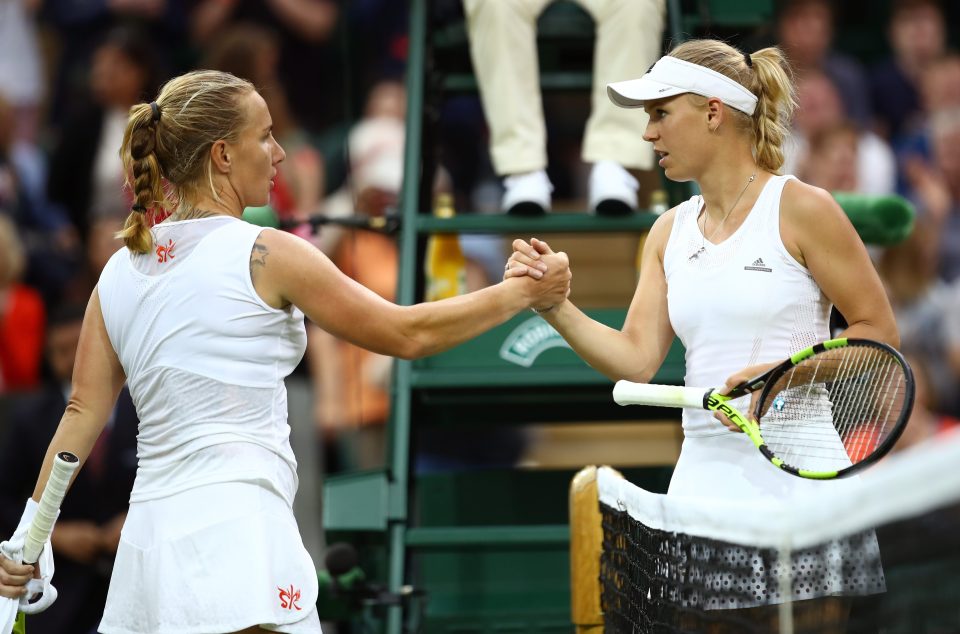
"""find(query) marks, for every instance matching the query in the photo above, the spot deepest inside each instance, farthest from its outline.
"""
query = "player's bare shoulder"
(808, 204)
(811, 219)
(660, 232)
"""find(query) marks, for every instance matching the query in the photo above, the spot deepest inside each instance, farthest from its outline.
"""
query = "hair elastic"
(156, 111)
(748, 59)
(138, 208)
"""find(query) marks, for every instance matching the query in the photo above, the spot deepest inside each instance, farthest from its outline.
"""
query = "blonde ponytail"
(773, 85)
(767, 75)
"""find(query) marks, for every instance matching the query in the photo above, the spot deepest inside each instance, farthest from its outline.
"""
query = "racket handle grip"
(630, 393)
(64, 465)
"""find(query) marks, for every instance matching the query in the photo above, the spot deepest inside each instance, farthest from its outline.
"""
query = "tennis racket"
(826, 412)
(64, 465)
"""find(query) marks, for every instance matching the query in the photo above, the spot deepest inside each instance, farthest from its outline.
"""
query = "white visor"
(671, 76)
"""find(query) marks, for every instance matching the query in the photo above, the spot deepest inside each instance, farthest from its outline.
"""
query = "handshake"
(547, 274)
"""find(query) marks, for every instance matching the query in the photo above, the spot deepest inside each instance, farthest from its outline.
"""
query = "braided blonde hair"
(166, 146)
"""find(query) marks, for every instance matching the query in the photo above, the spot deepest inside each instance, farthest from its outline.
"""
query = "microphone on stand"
(388, 223)
(266, 217)
(345, 591)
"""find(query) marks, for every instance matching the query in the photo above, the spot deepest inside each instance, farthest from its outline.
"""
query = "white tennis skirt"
(211, 560)
(729, 466)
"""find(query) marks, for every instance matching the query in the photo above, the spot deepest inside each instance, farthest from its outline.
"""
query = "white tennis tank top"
(741, 302)
(205, 359)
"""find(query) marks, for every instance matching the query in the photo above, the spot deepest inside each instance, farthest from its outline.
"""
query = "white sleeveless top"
(205, 359)
(741, 302)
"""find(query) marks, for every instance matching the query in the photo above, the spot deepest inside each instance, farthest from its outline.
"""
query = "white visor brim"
(671, 76)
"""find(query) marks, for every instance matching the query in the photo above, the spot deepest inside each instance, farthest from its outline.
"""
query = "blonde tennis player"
(745, 274)
(202, 315)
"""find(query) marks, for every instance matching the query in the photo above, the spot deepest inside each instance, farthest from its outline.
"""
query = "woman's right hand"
(14, 578)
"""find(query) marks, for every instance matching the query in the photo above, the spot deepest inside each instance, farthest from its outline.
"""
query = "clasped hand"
(538, 261)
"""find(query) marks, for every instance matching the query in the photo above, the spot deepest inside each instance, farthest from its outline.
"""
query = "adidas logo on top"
(758, 265)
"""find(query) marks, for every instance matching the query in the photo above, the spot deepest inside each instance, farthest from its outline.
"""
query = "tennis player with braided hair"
(202, 315)
(745, 274)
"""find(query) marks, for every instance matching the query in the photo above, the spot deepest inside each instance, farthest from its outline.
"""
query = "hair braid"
(166, 146)
(147, 183)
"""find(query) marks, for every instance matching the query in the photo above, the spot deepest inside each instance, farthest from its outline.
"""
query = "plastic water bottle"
(445, 266)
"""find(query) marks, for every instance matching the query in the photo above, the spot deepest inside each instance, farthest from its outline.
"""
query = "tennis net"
(878, 554)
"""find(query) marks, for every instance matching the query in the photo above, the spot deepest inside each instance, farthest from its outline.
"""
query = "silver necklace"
(703, 232)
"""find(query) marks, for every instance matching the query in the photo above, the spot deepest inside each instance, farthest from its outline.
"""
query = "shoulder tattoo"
(258, 257)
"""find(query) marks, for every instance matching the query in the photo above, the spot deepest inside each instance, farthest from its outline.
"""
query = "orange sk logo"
(289, 597)
(165, 253)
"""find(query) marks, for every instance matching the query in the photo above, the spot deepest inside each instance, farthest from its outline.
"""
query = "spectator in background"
(832, 158)
(23, 87)
(307, 58)
(22, 317)
(252, 52)
(921, 305)
(934, 186)
(503, 48)
(946, 153)
(918, 37)
(926, 420)
(820, 114)
(50, 241)
(940, 96)
(21, 72)
(88, 530)
(805, 33)
(375, 158)
(86, 175)
(941, 85)
(80, 27)
(351, 384)
(378, 41)
(101, 244)
(952, 331)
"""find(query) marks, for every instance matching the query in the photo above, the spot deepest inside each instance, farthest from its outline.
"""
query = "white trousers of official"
(503, 46)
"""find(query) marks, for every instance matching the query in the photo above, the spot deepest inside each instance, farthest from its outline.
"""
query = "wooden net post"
(586, 536)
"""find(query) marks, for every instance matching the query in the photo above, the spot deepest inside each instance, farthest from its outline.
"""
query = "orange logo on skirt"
(289, 598)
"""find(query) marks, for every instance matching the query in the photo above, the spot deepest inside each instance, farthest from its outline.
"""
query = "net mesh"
(879, 555)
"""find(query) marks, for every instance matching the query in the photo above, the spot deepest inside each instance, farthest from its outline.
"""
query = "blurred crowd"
(331, 72)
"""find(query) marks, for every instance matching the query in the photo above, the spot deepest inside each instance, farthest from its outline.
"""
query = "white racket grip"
(64, 464)
(630, 393)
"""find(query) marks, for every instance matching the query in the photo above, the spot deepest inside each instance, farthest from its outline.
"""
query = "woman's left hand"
(526, 259)
(14, 578)
(736, 379)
